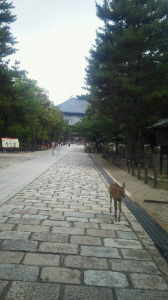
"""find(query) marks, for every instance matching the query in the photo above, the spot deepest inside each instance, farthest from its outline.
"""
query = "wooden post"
(155, 181)
(125, 163)
(139, 172)
(121, 166)
(129, 166)
(161, 160)
(146, 174)
(133, 168)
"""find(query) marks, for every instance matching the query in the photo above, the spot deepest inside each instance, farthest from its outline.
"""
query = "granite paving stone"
(102, 221)
(56, 223)
(18, 272)
(8, 235)
(3, 219)
(74, 231)
(87, 293)
(117, 227)
(75, 219)
(122, 243)
(6, 208)
(79, 215)
(6, 227)
(3, 285)
(33, 291)
(63, 275)
(25, 211)
(58, 248)
(23, 221)
(38, 217)
(138, 294)
(12, 215)
(21, 245)
(135, 254)
(49, 237)
(85, 240)
(137, 227)
(105, 278)
(85, 262)
(127, 235)
(86, 225)
(101, 233)
(33, 228)
(38, 259)
(107, 252)
(134, 266)
(40, 208)
(11, 257)
(146, 281)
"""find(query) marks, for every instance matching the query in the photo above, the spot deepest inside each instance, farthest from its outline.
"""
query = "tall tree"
(128, 68)
(6, 74)
(7, 41)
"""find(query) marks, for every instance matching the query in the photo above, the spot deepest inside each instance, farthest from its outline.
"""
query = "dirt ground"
(138, 191)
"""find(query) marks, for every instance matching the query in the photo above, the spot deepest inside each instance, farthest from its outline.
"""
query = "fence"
(145, 169)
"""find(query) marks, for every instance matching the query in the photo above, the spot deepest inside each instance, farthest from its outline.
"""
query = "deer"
(117, 193)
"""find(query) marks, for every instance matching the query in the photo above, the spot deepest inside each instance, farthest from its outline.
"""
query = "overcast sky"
(54, 37)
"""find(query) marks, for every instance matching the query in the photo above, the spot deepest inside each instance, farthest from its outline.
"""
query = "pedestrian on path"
(58, 148)
(53, 147)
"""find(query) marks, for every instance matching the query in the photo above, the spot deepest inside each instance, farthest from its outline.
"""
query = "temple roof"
(73, 105)
(160, 124)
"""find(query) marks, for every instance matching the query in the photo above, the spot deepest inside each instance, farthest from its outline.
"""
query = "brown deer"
(117, 193)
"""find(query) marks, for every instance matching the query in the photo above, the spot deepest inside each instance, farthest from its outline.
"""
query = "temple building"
(73, 110)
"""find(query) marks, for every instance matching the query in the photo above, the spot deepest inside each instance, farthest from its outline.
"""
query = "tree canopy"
(127, 71)
(25, 109)
(7, 41)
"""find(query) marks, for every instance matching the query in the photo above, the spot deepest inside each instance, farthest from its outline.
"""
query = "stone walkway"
(58, 240)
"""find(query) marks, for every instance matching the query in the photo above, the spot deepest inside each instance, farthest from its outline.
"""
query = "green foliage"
(6, 39)
(26, 112)
(127, 70)
(95, 127)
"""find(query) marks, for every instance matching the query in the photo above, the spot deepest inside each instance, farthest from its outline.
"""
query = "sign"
(10, 143)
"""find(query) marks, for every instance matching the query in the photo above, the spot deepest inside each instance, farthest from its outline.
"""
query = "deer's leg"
(119, 211)
(119, 216)
(120, 205)
(110, 203)
(115, 207)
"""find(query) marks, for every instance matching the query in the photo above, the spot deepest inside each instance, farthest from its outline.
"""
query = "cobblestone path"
(58, 241)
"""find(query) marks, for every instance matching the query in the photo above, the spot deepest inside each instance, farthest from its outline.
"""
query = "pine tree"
(128, 68)
(7, 41)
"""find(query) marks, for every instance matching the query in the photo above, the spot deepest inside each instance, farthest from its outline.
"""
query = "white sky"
(54, 37)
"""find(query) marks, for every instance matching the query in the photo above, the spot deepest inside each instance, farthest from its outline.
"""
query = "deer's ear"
(123, 185)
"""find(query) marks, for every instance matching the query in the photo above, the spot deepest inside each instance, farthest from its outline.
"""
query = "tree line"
(127, 73)
(26, 112)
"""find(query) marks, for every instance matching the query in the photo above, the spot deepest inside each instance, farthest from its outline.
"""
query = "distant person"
(53, 147)
(58, 148)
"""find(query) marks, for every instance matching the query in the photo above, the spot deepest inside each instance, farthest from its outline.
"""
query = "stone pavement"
(15, 174)
(58, 240)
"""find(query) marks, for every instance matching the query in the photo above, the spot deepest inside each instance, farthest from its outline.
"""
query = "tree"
(6, 74)
(36, 115)
(7, 41)
(25, 109)
(95, 127)
(128, 68)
